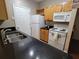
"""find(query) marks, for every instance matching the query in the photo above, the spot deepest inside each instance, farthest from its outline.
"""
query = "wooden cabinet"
(67, 7)
(55, 8)
(3, 12)
(44, 35)
(48, 12)
(40, 11)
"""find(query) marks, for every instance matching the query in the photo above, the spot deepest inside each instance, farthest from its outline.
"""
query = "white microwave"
(62, 17)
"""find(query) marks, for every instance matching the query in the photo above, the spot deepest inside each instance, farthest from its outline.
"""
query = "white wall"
(47, 3)
(24, 3)
(27, 3)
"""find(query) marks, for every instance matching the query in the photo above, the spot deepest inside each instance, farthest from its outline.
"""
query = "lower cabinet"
(44, 33)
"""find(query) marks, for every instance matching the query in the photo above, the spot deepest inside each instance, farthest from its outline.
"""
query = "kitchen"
(26, 18)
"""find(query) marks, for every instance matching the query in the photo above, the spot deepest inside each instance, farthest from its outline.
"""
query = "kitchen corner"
(36, 29)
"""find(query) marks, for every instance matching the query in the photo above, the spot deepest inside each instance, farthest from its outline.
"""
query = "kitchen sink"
(14, 36)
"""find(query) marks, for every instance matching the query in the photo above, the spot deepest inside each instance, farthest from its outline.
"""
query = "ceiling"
(75, 1)
(39, 0)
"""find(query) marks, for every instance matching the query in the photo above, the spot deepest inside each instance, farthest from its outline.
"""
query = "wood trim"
(3, 12)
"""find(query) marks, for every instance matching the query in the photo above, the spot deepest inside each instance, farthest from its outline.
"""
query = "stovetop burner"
(58, 29)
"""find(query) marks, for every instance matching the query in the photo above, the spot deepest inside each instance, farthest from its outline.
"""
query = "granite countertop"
(31, 48)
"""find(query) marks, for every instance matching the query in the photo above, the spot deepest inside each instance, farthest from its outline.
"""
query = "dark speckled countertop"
(31, 48)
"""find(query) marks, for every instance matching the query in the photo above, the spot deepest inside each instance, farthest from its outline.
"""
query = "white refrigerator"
(37, 22)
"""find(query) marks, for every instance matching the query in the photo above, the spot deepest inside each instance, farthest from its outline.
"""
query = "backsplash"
(51, 23)
(7, 23)
(58, 24)
(61, 25)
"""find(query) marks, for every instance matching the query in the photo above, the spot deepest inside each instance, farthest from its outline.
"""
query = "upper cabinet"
(56, 8)
(48, 12)
(3, 12)
(40, 11)
(67, 7)
(63, 7)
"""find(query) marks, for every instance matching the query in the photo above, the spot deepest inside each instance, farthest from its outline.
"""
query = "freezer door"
(37, 19)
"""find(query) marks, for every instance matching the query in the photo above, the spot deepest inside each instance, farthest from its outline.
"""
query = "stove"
(57, 37)
(58, 30)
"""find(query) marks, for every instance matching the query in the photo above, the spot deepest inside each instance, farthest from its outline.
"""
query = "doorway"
(74, 43)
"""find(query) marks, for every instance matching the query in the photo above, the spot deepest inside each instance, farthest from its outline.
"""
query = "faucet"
(3, 33)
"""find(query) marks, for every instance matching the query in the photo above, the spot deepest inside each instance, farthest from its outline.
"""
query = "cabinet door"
(46, 35)
(67, 6)
(55, 8)
(3, 12)
(40, 11)
(47, 14)
(42, 34)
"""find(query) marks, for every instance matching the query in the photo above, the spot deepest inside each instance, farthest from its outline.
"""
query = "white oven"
(57, 38)
(62, 16)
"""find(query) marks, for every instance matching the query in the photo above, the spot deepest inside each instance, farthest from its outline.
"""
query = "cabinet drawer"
(47, 14)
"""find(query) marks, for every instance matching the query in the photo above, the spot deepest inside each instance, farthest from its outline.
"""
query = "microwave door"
(59, 18)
